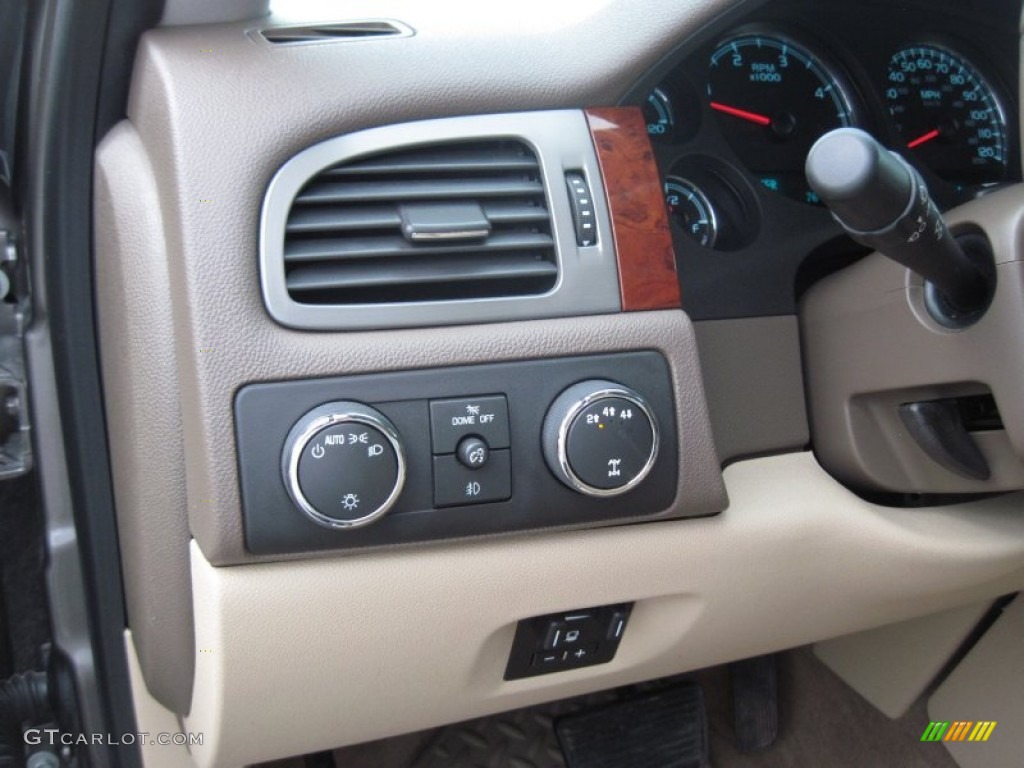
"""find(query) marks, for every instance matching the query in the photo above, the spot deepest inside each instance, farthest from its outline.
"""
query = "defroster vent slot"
(334, 32)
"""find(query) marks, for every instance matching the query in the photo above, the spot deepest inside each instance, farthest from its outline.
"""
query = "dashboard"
(734, 111)
(427, 326)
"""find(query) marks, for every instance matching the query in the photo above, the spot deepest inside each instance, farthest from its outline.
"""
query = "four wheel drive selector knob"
(344, 465)
(600, 438)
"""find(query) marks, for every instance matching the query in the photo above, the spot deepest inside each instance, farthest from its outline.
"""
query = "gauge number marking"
(947, 114)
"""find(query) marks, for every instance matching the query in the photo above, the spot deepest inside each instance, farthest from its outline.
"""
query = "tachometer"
(948, 115)
(774, 99)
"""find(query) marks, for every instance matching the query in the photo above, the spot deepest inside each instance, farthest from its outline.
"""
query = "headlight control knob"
(343, 465)
(600, 438)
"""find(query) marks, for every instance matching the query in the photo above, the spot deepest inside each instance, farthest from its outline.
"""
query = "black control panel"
(561, 641)
(470, 438)
(413, 456)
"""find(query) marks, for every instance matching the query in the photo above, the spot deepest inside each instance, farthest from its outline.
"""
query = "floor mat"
(822, 722)
(523, 738)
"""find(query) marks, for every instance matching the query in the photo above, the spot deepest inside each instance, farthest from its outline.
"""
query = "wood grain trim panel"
(632, 184)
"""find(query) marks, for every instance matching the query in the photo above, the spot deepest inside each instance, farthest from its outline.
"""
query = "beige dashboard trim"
(301, 656)
(986, 686)
(153, 718)
(892, 666)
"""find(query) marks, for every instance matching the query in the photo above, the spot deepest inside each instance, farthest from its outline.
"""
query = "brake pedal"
(667, 728)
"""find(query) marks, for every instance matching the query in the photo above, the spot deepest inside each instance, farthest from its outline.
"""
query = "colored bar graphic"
(958, 730)
(935, 731)
(982, 730)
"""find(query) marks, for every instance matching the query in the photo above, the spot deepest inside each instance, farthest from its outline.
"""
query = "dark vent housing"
(340, 31)
(352, 238)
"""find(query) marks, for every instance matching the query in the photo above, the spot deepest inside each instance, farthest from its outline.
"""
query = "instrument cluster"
(732, 120)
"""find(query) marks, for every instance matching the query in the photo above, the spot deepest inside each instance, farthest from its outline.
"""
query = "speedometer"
(948, 115)
(774, 99)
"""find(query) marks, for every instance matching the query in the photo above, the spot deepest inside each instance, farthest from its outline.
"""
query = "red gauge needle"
(933, 134)
(741, 113)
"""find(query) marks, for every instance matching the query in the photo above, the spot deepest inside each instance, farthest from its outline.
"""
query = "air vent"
(437, 222)
(445, 222)
(337, 32)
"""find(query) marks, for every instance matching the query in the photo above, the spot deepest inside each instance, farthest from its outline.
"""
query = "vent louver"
(444, 222)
